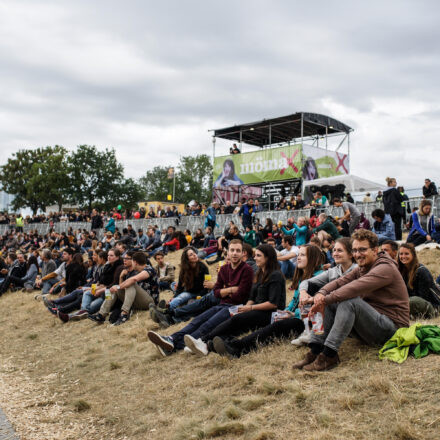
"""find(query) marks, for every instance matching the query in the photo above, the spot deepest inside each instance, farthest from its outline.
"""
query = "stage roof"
(282, 129)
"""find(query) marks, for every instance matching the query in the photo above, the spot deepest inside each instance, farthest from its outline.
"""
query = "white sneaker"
(302, 339)
(197, 346)
(187, 350)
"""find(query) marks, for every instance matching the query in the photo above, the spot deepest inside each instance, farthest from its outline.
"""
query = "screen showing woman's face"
(227, 169)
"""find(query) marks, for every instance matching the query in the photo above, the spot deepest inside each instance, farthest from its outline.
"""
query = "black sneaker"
(164, 342)
(162, 304)
(123, 318)
(63, 316)
(97, 317)
(224, 349)
(53, 310)
(163, 319)
(47, 302)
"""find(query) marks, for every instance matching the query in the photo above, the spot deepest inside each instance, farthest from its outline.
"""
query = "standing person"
(379, 197)
(422, 224)
(423, 303)
(406, 208)
(97, 222)
(392, 203)
(429, 189)
(247, 213)
(370, 301)
(351, 214)
(268, 293)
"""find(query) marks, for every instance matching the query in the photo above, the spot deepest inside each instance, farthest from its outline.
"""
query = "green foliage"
(193, 180)
(94, 175)
(37, 178)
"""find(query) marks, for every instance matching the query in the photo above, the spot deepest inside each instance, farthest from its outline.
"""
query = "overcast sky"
(150, 78)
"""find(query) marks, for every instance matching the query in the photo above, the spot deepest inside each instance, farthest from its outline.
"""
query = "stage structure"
(290, 149)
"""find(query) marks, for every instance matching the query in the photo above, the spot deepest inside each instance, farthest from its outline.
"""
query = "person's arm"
(287, 256)
(416, 224)
(169, 274)
(220, 291)
(319, 281)
(287, 231)
(134, 279)
(425, 282)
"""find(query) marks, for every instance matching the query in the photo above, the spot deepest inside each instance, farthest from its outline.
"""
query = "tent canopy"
(352, 183)
(283, 129)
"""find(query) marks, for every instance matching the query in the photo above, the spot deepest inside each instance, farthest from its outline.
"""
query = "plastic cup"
(233, 310)
(207, 277)
(93, 289)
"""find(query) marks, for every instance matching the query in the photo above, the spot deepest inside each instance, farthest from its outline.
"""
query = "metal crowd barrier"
(192, 223)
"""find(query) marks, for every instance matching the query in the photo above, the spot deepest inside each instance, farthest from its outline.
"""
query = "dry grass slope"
(80, 380)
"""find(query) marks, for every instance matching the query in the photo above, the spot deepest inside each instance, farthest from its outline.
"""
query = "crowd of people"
(357, 278)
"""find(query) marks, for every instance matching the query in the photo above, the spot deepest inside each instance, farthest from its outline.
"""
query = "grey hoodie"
(325, 277)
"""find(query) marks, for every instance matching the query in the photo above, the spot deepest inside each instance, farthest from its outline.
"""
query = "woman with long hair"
(309, 263)
(191, 278)
(227, 176)
(422, 224)
(423, 293)
(268, 293)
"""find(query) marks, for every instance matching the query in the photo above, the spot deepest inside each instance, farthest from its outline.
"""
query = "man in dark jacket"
(429, 189)
(97, 222)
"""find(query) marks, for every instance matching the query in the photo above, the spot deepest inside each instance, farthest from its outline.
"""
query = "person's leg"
(70, 307)
(354, 221)
(95, 305)
(220, 314)
(397, 220)
(137, 298)
(107, 305)
(191, 328)
(195, 308)
(241, 323)
(47, 285)
(87, 300)
(416, 239)
(180, 300)
(420, 308)
(372, 327)
(288, 269)
(285, 328)
(67, 299)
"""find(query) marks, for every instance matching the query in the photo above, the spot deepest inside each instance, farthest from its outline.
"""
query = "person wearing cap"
(141, 241)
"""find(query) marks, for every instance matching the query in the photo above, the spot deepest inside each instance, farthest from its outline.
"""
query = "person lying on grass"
(233, 284)
(137, 291)
(289, 324)
(371, 301)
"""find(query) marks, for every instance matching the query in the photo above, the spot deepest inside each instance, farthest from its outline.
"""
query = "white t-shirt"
(292, 249)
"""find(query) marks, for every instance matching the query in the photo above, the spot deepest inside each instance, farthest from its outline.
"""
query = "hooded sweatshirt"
(379, 285)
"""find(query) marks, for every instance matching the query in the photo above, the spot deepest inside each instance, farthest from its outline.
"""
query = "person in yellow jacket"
(19, 223)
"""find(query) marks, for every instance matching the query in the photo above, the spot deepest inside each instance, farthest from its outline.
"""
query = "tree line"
(88, 177)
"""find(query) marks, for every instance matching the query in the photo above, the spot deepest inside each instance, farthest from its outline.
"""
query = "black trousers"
(285, 328)
(397, 220)
(241, 323)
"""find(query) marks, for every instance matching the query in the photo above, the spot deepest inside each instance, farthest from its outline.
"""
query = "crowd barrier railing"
(194, 222)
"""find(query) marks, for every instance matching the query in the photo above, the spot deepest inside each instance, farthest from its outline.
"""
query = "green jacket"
(425, 338)
(329, 227)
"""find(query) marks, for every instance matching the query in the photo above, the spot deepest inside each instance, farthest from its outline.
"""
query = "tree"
(127, 193)
(37, 178)
(94, 175)
(194, 179)
(156, 183)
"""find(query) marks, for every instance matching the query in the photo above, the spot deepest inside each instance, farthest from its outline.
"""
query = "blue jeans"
(91, 303)
(195, 308)
(202, 324)
(288, 268)
(181, 299)
(47, 285)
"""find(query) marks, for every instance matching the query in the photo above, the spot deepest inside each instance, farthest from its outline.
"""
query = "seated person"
(422, 224)
(300, 229)
(327, 225)
(198, 239)
(383, 225)
(191, 278)
(423, 303)
(232, 288)
(16, 268)
(391, 248)
(344, 264)
(28, 280)
(309, 264)
(137, 291)
(165, 271)
(287, 257)
(142, 240)
(250, 236)
(232, 234)
(248, 257)
(154, 240)
(371, 301)
(268, 293)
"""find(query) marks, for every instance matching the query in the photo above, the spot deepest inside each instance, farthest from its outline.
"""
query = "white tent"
(352, 183)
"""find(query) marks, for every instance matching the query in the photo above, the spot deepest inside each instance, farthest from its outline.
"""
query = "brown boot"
(323, 363)
(310, 357)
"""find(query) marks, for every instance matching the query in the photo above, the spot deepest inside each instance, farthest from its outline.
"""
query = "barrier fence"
(194, 222)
